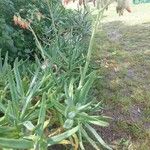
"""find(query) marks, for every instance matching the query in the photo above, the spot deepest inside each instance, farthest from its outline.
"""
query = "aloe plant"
(47, 102)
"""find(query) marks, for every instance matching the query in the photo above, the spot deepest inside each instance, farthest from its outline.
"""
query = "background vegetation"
(45, 82)
(20, 43)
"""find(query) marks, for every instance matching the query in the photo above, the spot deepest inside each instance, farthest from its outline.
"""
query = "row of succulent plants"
(46, 99)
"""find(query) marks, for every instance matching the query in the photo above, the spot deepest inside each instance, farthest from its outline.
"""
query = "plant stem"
(38, 43)
(95, 26)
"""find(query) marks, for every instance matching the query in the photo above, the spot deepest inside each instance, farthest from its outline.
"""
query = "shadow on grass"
(135, 37)
(122, 56)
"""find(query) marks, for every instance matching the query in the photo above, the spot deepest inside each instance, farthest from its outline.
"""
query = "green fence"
(141, 1)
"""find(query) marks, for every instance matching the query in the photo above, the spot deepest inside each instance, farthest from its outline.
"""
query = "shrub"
(40, 110)
(20, 43)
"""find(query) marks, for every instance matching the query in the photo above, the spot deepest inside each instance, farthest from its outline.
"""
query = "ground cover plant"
(46, 102)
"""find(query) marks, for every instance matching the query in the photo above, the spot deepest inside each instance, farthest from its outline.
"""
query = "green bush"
(20, 43)
(12, 39)
(40, 108)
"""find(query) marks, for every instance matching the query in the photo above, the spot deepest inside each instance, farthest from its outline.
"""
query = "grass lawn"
(122, 56)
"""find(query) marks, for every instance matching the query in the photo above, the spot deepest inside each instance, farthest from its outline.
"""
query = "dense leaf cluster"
(20, 43)
(46, 102)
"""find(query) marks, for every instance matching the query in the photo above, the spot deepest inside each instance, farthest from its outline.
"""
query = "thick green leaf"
(15, 143)
(18, 79)
(6, 129)
(86, 87)
(40, 143)
(83, 107)
(80, 139)
(0, 62)
(91, 141)
(69, 93)
(93, 119)
(99, 139)
(34, 86)
(33, 82)
(9, 132)
(58, 138)
(13, 88)
(2, 108)
(68, 123)
(60, 107)
(3, 120)
(14, 95)
(100, 123)
(70, 90)
(42, 115)
(29, 125)
(71, 114)
(10, 113)
(5, 65)
(81, 78)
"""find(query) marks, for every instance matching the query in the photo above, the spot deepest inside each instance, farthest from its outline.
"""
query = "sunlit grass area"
(139, 14)
(122, 56)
